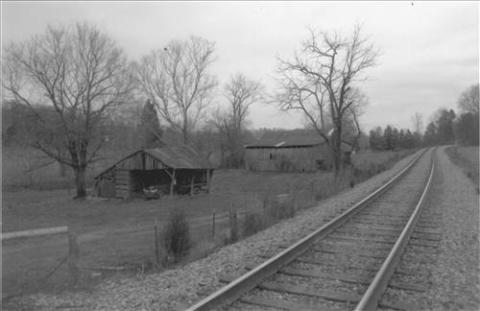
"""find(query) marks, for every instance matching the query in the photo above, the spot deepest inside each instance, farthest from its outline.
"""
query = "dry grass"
(466, 158)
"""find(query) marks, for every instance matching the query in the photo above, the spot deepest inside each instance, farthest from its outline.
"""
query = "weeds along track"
(347, 264)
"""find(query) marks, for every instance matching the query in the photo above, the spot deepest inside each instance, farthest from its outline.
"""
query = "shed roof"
(285, 139)
(177, 156)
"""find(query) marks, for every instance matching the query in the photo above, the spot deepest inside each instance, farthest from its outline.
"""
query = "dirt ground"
(113, 233)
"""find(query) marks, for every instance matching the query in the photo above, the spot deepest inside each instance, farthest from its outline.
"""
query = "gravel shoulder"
(178, 288)
(455, 279)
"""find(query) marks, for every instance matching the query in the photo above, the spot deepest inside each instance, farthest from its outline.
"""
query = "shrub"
(281, 210)
(253, 223)
(176, 236)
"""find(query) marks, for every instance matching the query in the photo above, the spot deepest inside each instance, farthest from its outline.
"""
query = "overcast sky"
(429, 49)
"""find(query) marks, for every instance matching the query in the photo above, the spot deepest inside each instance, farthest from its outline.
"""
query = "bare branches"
(241, 94)
(322, 75)
(176, 79)
(71, 76)
(469, 100)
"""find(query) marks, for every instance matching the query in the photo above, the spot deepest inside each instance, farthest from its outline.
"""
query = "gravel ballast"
(455, 278)
(178, 288)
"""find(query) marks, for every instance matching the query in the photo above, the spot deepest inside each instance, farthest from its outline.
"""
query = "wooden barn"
(170, 169)
(289, 151)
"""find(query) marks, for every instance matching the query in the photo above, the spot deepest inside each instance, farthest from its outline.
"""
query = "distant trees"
(69, 78)
(322, 75)
(440, 131)
(177, 81)
(393, 139)
(430, 137)
(467, 125)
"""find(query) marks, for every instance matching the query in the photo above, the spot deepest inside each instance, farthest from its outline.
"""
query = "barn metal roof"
(178, 156)
(285, 139)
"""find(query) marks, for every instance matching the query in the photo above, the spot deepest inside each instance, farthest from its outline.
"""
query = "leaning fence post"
(157, 249)
(213, 224)
(73, 254)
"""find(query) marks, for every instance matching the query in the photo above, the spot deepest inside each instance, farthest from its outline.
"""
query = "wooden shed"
(290, 151)
(170, 169)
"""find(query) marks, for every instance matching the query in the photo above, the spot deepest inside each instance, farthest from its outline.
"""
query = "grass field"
(466, 158)
(115, 233)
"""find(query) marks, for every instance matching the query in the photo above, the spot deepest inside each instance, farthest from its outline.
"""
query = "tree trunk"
(337, 151)
(80, 182)
(62, 169)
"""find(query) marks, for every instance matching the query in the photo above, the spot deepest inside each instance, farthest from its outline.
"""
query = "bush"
(176, 237)
(281, 210)
(253, 223)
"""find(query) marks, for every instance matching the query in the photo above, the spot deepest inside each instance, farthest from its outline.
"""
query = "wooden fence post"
(73, 254)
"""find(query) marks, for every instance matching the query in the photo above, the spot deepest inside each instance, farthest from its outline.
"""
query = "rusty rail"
(248, 281)
(379, 284)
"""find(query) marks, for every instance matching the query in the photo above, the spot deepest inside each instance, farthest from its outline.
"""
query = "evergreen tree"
(376, 139)
(445, 132)
(467, 130)
(430, 137)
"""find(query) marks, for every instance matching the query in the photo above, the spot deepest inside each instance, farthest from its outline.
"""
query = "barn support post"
(209, 178)
(172, 183)
(192, 184)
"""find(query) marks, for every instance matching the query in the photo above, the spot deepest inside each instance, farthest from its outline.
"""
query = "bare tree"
(468, 101)
(241, 93)
(323, 75)
(417, 120)
(69, 78)
(176, 80)
(359, 102)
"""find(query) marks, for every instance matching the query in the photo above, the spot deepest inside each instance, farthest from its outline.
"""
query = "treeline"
(447, 127)
(391, 138)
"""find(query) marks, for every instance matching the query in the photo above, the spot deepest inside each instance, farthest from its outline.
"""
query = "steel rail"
(251, 279)
(379, 284)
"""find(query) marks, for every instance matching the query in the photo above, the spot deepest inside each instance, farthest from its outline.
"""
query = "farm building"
(168, 168)
(297, 150)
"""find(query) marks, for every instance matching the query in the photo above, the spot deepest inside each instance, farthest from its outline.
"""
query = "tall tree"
(241, 93)
(445, 131)
(323, 74)
(430, 136)
(177, 81)
(469, 101)
(417, 121)
(150, 126)
(70, 78)
(466, 127)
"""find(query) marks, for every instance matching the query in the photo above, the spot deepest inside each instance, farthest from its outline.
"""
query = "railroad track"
(348, 263)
